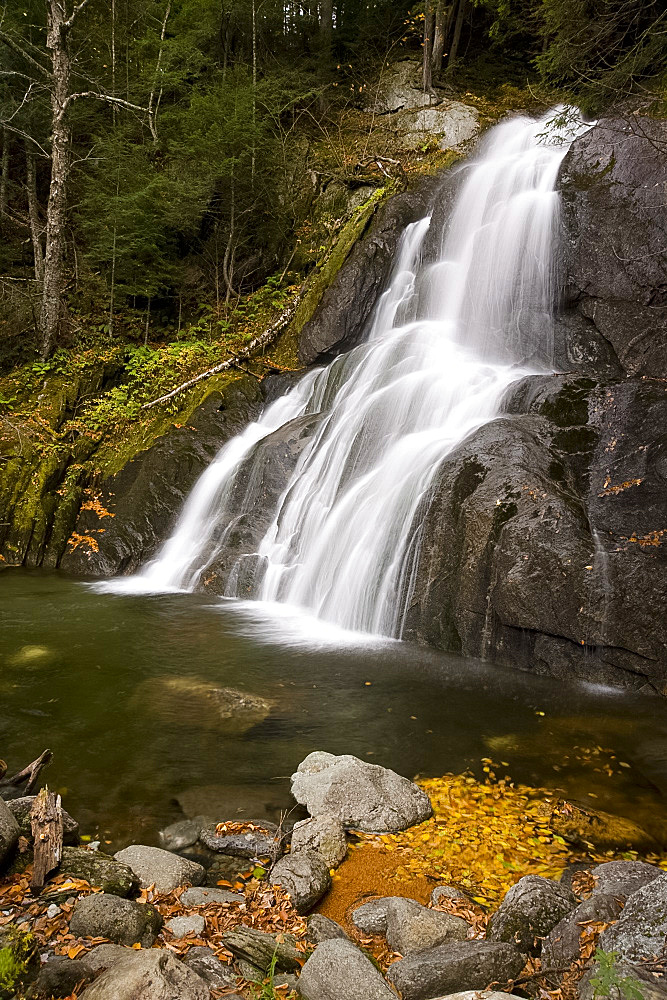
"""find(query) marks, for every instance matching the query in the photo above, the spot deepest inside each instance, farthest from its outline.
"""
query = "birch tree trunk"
(36, 228)
(56, 214)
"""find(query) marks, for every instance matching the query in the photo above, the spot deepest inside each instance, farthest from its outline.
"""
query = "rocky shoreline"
(226, 908)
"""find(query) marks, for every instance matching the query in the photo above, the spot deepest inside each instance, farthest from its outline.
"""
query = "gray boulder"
(20, 809)
(182, 834)
(103, 956)
(530, 910)
(194, 701)
(258, 948)
(263, 842)
(154, 974)
(399, 87)
(461, 965)
(305, 876)
(216, 974)
(623, 878)
(641, 930)
(9, 831)
(164, 870)
(204, 896)
(338, 970)
(60, 976)
(99, 870)
(476, 995)
(561, 946)
(362, 796)
(371, 917)
(451, 124)
(180, 927)
(325, 834)
(120, 920)
(321, 928)
(412, 927)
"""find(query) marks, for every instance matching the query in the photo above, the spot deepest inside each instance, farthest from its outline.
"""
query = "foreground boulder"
(305, 876)
(412, 927)
(9, 831)
(529, 911)
(337, 969)
(99, 870)
(641, 930)
(215, 973)
(562, 945)
(148, 975)
(59, 977)
(463, 965)
(362, 796)
(325, 834)
(121, 920)
(623, 878)
(164, 870)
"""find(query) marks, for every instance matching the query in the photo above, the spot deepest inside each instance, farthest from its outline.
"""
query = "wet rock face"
(614, 235)
(543, 540)
(148, 493)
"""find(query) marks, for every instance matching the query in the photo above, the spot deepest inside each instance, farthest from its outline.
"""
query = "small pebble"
(53, 911)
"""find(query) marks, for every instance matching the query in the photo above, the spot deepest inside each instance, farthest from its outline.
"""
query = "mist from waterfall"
(446, 341)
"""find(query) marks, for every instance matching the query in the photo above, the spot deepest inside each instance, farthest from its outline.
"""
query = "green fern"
(608, 982)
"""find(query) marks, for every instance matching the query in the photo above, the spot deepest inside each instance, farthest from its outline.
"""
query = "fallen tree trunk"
(23, 782)
(46, 821)
(261, 341)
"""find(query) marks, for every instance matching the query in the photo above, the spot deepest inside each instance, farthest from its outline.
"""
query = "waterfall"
(446, 341)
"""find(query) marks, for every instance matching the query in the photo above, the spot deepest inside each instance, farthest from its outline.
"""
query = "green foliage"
(14, 958)
(608, 983)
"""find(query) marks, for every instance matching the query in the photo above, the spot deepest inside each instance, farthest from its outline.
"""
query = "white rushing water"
(446, 341)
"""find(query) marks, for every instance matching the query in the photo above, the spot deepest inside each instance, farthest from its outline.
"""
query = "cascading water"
(447, 339)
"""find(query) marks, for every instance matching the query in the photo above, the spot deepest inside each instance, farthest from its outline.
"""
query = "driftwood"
(46, 820)
(263, 340)
(23, 782)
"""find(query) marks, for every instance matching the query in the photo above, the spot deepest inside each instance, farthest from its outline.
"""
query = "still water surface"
(84, 674)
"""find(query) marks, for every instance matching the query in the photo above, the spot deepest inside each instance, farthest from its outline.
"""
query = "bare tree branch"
(67, 25)
(19, 49)
(108, 99)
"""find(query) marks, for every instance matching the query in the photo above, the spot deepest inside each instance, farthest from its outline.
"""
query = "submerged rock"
(582, 825)
(529, 911)
(362, 796)
(164, 870)
(192, 701)
(338, 969)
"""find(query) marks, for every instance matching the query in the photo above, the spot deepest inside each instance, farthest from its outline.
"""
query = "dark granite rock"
(529, 911)
(452, 968)
(99, 870)
(121, 920)
(337, 969)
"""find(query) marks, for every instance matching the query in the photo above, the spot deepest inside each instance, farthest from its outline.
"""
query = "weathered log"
(46, 820)
(23, 782)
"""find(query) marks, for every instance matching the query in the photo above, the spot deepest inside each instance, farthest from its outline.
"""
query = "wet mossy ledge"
(70, 427)
(437, 887)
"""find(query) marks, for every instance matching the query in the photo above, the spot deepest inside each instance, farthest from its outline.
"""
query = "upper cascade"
(447, 338)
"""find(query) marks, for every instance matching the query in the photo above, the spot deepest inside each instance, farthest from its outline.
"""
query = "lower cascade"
(447, 339)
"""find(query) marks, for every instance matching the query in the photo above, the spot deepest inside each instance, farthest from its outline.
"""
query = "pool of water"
(119, 688)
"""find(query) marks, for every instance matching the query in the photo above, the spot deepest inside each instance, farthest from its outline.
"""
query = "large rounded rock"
(325, 834)
(212, 970)
(121, 920)
(562, 945)
(60, 976)
(529, 911)
(148, 975)
(321, 928)
(463, 965)
(164, 870)
(623, 878)
(371, 917)
(99, 870)
(641, 930)
(9, 831)
(412, 927)
(362, 796)
(337, 969)
(305, 876)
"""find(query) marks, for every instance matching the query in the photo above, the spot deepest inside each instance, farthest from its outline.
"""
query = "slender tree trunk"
(4, 173)
(36, 228)
(254, 91)
(439, 37)
(326, 29)
(56, 215)
(458, 27)
(152, 106)
(427, 79)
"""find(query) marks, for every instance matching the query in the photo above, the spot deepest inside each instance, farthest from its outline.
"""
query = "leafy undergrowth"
(483, 837)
